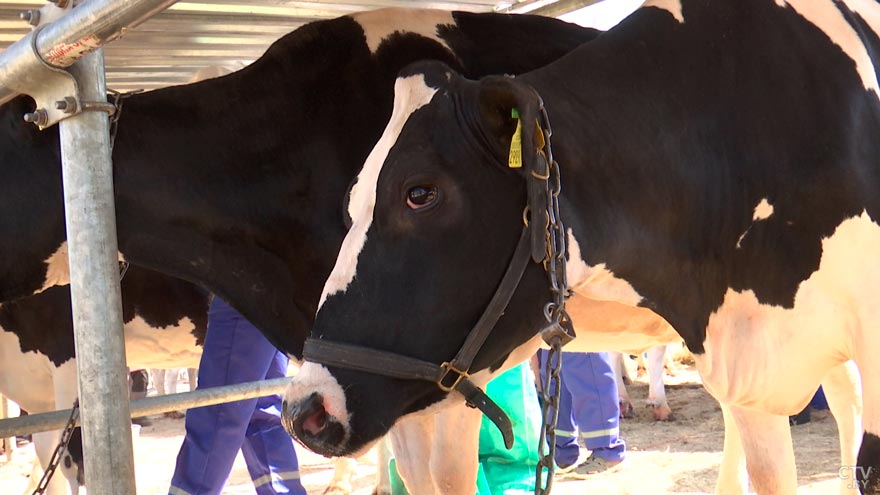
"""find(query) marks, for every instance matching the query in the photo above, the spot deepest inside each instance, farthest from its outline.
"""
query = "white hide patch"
(36, 393)
(410, 94)
(596, 282)
(763, 210)
(380, 24)
(167, 347)
(57, 268)
(826, 16)
(671, 6)
(313, 377)
(749, 344)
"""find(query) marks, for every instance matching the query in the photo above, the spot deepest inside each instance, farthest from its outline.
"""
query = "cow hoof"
(337, 489)
(662, 412)
(627, 411)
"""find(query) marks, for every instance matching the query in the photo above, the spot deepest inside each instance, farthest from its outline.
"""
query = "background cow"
(720, 171)
(165, 323)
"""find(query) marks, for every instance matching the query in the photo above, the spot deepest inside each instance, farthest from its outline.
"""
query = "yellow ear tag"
(515, 158)
(539, 136)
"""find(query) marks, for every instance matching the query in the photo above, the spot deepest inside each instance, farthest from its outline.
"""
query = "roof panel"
(171, 47)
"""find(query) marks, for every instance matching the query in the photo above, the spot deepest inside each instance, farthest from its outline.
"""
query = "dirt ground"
(663, 458)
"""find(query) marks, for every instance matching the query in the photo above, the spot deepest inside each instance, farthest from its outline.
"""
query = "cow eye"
(419, 197)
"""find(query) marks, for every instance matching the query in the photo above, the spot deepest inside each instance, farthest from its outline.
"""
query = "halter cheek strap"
(451, 375)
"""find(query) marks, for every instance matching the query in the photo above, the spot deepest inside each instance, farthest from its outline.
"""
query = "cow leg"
(44, 446)
(617, 365)
(159, 380)
(343, 471)
(192, 375)
(842, 386)
(733, 479)
(66, 392)
(867, 468)
(455, 456)
(766, 441)
(411, 439)
(383, 478)
(656, 390)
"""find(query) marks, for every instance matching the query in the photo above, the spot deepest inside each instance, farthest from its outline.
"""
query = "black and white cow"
(720, 169)
(165, 324)
(236, 183)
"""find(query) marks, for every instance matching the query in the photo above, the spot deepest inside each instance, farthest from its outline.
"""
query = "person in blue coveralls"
(588, 411)
(236, 352)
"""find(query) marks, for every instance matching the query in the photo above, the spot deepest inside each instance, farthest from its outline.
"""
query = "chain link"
(118, 99)
(559, 330)
(59, 449)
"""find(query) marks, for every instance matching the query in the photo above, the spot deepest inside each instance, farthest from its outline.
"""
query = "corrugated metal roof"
(171, 47)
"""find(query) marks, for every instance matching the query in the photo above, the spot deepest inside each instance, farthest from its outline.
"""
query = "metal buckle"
(447, 368)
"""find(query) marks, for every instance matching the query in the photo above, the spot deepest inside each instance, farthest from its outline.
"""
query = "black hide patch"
(44, 323)
(868, 476)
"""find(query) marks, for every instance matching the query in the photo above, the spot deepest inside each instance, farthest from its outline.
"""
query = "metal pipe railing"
(56, 420)
(61, 43)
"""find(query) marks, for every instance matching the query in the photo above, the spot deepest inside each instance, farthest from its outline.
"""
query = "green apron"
(502, 471)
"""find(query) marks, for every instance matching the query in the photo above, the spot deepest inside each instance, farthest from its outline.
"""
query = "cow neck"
(635, 200)
(234, 183)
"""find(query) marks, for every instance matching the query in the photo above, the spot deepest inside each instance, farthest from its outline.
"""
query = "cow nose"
(307, 421)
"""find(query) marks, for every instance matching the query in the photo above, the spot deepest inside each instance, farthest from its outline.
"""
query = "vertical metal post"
(94, 287)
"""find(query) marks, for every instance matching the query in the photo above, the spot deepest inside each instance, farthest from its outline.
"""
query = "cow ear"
(509, 112)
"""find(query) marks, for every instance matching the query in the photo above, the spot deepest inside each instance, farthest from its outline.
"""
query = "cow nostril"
(309, 422)
(315, 423)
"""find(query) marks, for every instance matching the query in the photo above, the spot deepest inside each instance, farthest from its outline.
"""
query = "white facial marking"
(868, 11)
(832, 309)
(380, 24)
(596, 282)
(313, 378)
(826, 16)
(671, 6)
(410, 94)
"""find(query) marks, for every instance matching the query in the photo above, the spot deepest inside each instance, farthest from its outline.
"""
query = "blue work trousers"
(588, 407)
(236, 352)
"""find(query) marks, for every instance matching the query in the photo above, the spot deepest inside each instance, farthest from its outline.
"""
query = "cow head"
(436, 213)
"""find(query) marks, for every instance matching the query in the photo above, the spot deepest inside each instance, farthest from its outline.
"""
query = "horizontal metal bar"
(152, 405)
(61, 43)
(563, 7)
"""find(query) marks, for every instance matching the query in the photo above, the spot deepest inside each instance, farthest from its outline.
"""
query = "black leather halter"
(538, 242)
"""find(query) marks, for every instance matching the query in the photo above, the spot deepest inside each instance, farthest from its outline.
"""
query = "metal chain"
(118, 99)
(56, 455)
(559, 330)
(550, 386)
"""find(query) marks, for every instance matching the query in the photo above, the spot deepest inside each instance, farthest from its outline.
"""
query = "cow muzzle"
(314, 411)
(309, 423)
